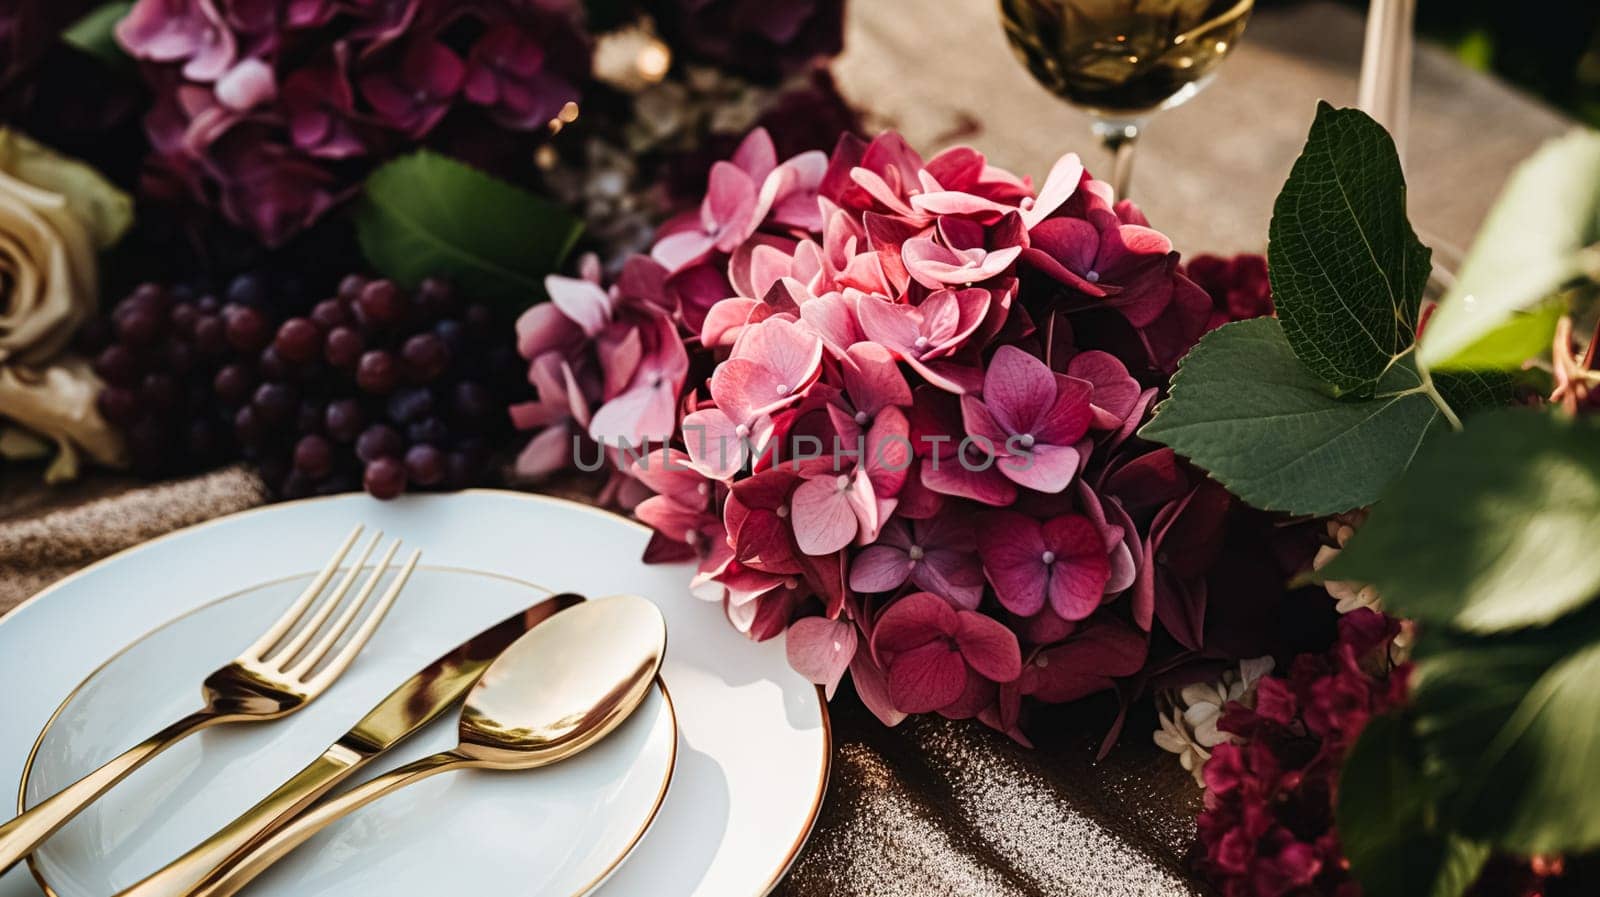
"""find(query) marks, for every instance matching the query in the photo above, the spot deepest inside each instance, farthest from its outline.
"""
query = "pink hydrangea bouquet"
(889, 405)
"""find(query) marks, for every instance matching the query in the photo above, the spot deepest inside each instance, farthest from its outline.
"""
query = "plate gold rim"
(538, 498)
(627, 850)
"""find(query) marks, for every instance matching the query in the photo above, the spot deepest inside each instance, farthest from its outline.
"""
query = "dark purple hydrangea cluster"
(272, 112)
(755, 38)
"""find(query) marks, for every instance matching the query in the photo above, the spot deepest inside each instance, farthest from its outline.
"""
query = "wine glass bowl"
(1123, 60)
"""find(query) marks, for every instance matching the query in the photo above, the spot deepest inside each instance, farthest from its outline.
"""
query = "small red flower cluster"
(1267, 830)
(272, 112)
(890, 405)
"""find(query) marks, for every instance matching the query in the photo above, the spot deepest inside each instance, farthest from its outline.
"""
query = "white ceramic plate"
(752, 753)
(562, 829)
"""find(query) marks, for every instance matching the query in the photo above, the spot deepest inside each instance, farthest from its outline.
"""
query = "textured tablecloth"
(935, 808)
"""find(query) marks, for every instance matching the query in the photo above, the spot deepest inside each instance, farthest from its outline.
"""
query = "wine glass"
(1123, 60)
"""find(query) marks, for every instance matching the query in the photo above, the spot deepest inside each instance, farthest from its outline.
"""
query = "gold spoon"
(556, 691)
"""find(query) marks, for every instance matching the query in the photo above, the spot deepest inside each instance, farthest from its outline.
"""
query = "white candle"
(1385, 92)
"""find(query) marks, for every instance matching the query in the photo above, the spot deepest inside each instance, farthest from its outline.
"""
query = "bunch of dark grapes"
(375, 387)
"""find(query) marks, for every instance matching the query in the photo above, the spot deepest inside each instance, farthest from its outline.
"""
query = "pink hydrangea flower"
(1061, 561)
(189, 31)
(1031, 418)
(938, 555)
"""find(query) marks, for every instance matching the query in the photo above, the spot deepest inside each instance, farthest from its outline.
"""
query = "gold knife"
(417, 702)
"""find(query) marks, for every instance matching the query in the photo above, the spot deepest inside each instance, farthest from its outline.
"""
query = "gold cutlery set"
(541, 686)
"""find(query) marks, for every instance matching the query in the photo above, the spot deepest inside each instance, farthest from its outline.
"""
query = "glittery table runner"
(928, 809)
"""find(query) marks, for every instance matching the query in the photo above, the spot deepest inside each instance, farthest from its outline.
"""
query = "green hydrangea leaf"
(1508, 724)
(425, 215)
(1386, 820)
(1490, 529)
(1347, 271)
(1245, 409)
(1534, 242)
(95, 33)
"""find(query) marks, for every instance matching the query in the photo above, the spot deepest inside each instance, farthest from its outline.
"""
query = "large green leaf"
(1244, 409)
(427, 215)
(1347, 270)
(1530, 246)
(1510, 726)
(95, 33)
(1387, 825)
(1491, 528)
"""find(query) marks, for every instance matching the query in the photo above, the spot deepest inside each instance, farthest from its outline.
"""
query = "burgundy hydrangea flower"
(1238, 286)
(507, 73)
(753, 37)
(414, 91)
(1267, 830)
(933, 653)
(329, 90)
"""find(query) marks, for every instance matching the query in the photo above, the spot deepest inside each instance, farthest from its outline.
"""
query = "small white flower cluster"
(1189, 715)
(1349, 595)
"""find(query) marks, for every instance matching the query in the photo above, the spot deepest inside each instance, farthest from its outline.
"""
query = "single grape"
(351, 286)
(298, 340)
(138, 326)
(377, 372)
(118, 366)
(248, 428)
(330, 313)
(343, 419)
(385, 478)
(435, 298)
(211, 335)
(453, 334)
(276, 403)
(234, 383)
(272, 365)
(425, 357)
(248, 329)
(182, 318)
(313, 456)
(343, 347)
(425, 465)
(378, 441)
(381, 303)
(119, 405)
(248, 289)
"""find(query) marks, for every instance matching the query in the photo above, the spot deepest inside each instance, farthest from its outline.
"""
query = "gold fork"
(274, 677)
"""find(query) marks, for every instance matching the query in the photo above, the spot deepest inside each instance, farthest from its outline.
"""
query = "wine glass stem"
(1119, 139)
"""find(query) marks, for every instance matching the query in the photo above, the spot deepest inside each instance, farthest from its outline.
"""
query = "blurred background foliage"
(1547, 47)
